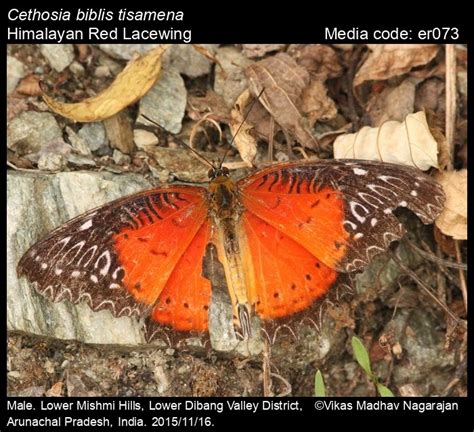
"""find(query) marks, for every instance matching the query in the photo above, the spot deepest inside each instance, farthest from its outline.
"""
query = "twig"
(271, 139)
(450, 99)
(462, 279)
(426, 288)
(450, 130)
(434, 258)
(267, 375)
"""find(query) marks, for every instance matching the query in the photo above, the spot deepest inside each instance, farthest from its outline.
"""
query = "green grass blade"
(319, 389)
(384, 391)
(361, 355)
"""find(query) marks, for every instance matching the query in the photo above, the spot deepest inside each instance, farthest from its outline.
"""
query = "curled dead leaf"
(453, 219)
(405, 143)
(246, 144)
(29, 85)
(284, 81)
(316, 104)
(388, 60)
(128, 87)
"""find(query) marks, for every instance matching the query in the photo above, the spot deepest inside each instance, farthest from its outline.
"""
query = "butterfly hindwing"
(118, 256)
(284, 278)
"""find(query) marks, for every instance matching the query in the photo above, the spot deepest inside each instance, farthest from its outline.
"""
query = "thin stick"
(267, 379)
(450, 131)
(271, 139)
(462, 279)
(426, 288)
(450, 99)
(434, 258)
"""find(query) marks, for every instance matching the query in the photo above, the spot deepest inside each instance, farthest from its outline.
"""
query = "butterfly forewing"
(118, 256)
(341, 210)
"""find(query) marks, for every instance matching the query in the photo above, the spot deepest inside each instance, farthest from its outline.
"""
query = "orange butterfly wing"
(123, 255)
(286, 278)
(306, 222)
(184, 302)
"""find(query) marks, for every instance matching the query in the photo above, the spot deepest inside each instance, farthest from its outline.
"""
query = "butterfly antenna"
(241, 124)
(180, 141)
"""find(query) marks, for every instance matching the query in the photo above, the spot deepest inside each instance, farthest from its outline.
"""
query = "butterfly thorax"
(223, 201)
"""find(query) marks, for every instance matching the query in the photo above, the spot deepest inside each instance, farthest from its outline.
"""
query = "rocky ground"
(59, 169)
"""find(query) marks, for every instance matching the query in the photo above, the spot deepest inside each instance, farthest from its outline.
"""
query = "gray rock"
(78, 144)
(94, 135)
(77, 69)
(59, 56)
(15, 72)
(165, 102)
(427, 363)
(187, 60)
(120, 158)
(144, 139)
(81, 161)
(31, 131)
(54, 157)
(125, 51)
(58, 198)
(230, 80)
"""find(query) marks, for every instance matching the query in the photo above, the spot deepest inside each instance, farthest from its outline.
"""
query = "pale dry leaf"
(453, 219)
(246, 144)
(389, 60)
(128, 87)
(405, 143)
(284, 82)
(316, 104)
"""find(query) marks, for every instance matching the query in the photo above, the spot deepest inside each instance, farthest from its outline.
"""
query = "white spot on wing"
(358, 236)
(403, 204)
(75, 273)
(94, 278)
(373, 222)
(57, 271)
(86, 225)
(414, 193)
(360, 171)
(44, 266)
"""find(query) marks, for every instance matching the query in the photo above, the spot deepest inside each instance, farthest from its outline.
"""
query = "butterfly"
(284, 236)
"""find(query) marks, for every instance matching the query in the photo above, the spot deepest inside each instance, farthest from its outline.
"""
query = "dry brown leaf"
(316, 104)
(212, 103)
(29, 85)
(246, 144)
(393, 103)
(55, 390)
(319, 60)
(405, 143)
(453, 219)
(387, 60)
(129, 86)
(284, 82)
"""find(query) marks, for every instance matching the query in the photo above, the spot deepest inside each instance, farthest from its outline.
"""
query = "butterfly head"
(220, 171)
